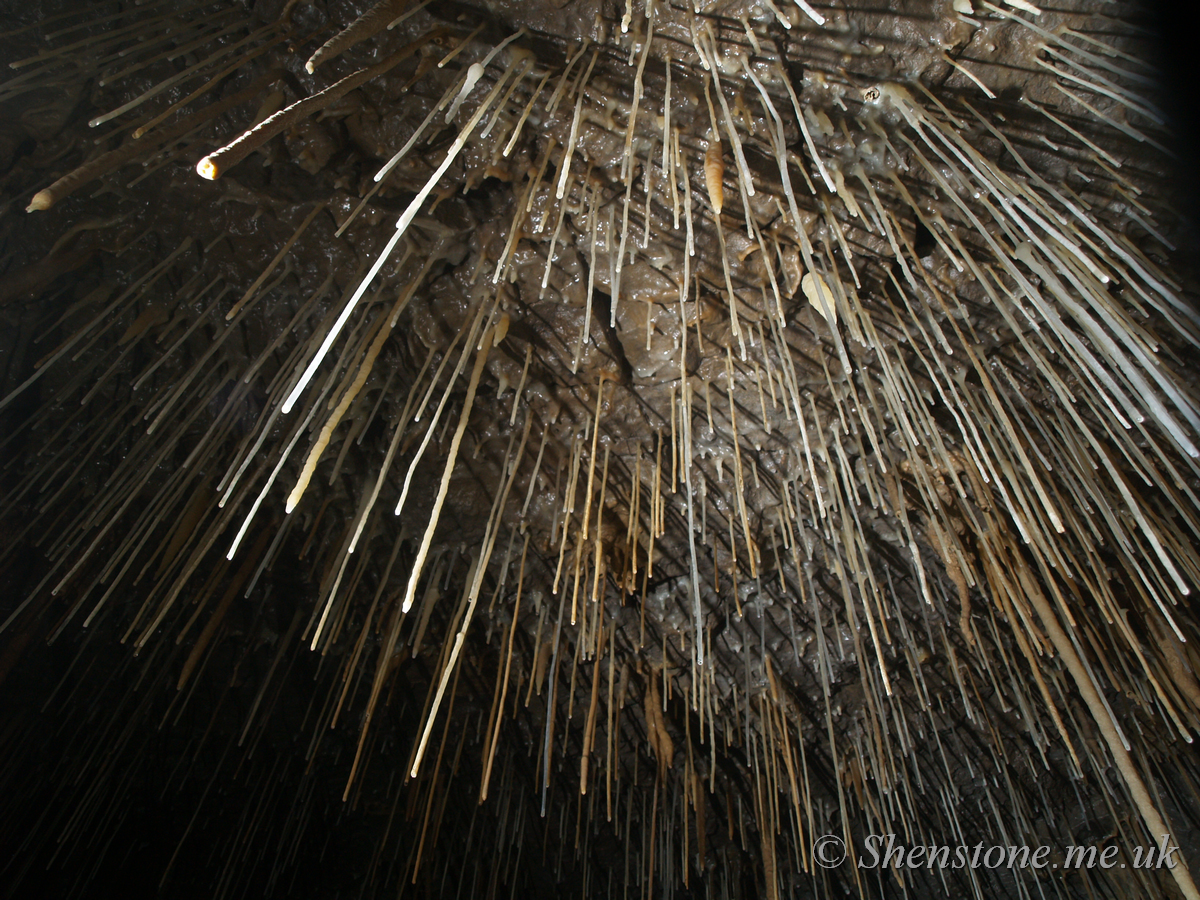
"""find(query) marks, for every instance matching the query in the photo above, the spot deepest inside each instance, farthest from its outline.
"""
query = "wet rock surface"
(775, 516)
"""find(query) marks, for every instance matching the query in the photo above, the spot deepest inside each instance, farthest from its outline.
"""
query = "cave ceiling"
(593, 448)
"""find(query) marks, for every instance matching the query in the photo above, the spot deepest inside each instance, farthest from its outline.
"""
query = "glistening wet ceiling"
(588, 449)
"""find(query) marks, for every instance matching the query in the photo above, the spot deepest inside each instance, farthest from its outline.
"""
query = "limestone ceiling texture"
(592, 449)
